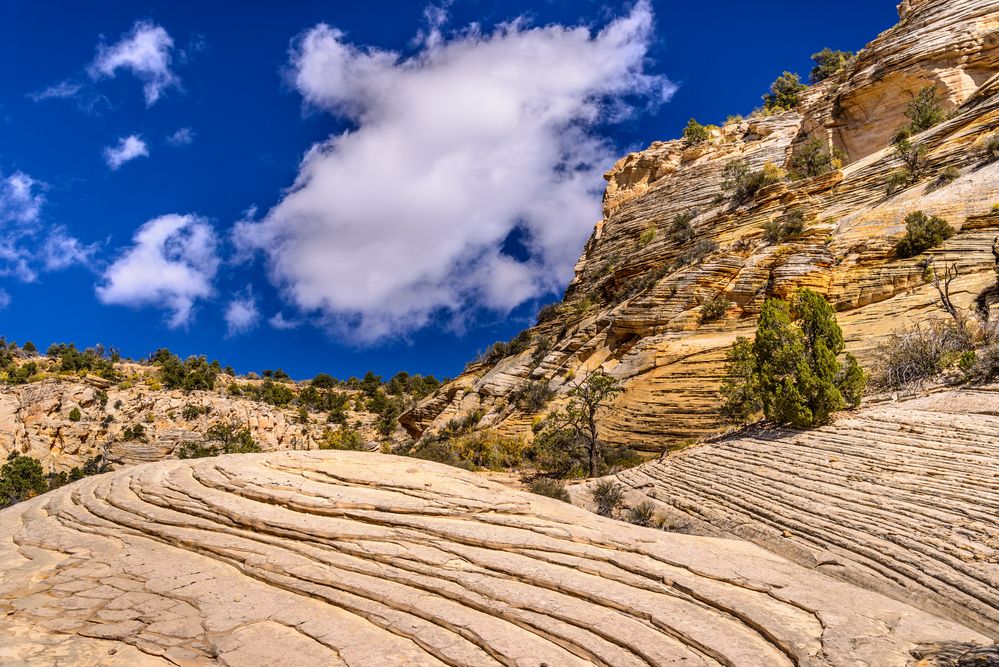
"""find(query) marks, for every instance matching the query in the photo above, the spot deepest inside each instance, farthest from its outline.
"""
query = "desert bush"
(221, 438)
(608, 496)
(343, 438)
(134, 432)
(647, 236)
(695, 133)
(714, 309)
(742, 183)
(324, 381)
(786, 227)
(192, 411)
(696, 252)
(948, 175)
(922, 232)
(812, 159)
(790, 372)
(548, 312)
(925, 110)
(784, 93)
(189, 375)
(828, 62)
(990, 151)
(553, 488)
(680, 230)
(75, 415)
(21, 477)
(532, 396)
(911, 356)
(643, 514)
(29, 349)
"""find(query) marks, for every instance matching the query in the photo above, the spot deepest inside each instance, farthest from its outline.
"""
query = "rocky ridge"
(348, 558)
(634, 306)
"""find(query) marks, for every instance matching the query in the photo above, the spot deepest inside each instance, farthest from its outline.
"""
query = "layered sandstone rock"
(35, 421)
(900, 498)
(634, 306)
(323, 558)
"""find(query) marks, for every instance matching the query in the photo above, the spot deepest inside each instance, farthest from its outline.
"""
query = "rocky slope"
(35, 419)
(346, 558)
(901, 498)
(634, 306)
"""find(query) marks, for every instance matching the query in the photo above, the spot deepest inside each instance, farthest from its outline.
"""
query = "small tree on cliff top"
(791, 372)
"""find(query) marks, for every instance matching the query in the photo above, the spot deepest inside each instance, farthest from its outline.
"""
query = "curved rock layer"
(341, 558)
(635, 305)
(900, 498)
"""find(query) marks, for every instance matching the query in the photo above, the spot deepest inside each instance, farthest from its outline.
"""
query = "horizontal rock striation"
(634, 306)
(899, 498)
(323, 558)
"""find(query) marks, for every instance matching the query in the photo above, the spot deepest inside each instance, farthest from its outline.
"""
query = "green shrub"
(648, 235)
(714, 309)
(75, 415)
(788, 226)
(791, 372)
(324, 381)
(344, 438)
(643, 514)
(811, 160)
(549, 312)
(784, 93)
(914, 158)
(828, 62)
(30, 349)
(925, 110)
(742, 183)
(990, 150)
(21, 477)
(189, 375)
(553, 488)
(192, 411)
(946, 176)
(922, 232)
(221, 438)
(532, 396)
(680, 230)
(695, 133)
(608, 496)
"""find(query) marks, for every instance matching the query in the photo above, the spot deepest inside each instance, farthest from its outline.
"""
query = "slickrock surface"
(634, 312)
(343, 558)
(900, 498)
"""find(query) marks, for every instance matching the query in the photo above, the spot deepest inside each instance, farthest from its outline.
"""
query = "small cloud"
(4, 299)
(20, 200)
(242, 314)
(61, 251)
(146, 53)
(279, 322)
(181, 137)
(128, 148)
(59, 91)
(171, 264)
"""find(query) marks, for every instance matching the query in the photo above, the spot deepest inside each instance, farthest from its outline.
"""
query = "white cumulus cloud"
(128, 148)
(171, 264)
(146, 53)
(242, 314)
(61, 251)
(475, 139)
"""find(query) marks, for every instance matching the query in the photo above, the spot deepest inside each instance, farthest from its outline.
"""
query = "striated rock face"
(34, 420)
(899, 498)
(635, 303)
(337, 558)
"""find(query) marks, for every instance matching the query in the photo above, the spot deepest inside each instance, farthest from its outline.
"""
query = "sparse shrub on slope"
(553, 488)
(828, 62)
(643, 514)
(922, 232)
(919, 353)
(221, 438)
(786, 227)
(791, 372)
(695, 133)
(742, 183)
(812, 159)
(343, 438)
(785, 93)
(714, 309)
(925, 110)
(608, 496)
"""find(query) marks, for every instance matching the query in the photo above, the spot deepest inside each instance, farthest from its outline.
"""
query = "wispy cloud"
(171, 264)
(146, 52)
(242, 314)
(489, 136)
(127, 149)
(281, 323)
(59, 91)
(181, 137)
(61, 251)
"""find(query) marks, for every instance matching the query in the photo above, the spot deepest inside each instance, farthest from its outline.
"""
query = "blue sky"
(453, 171)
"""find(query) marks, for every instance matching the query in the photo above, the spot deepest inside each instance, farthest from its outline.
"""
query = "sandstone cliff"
(634, 306)
(347, 558)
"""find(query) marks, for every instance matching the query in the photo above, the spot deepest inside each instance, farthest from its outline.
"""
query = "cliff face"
(35, 419)
(634, 306)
